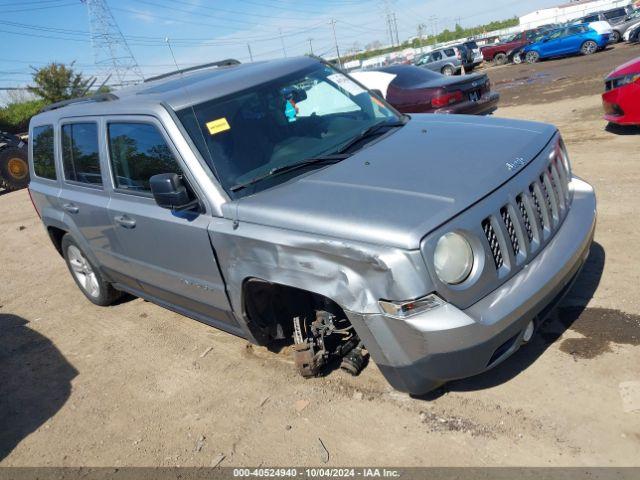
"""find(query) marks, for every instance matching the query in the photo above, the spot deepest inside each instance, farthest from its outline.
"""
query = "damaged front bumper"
(422, 352)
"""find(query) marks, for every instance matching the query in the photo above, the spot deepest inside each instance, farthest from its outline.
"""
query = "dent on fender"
(352, 274)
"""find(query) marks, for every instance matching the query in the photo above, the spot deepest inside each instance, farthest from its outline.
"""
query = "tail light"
(446, 99)
(33, 203)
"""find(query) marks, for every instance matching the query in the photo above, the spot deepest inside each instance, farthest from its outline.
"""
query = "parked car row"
(585, 35)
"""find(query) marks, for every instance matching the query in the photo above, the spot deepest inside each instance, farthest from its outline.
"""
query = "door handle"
(70, 207)
(125, 221)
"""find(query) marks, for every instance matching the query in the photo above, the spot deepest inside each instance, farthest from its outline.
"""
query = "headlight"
(411, 307)
(626, 80)
(453, 258)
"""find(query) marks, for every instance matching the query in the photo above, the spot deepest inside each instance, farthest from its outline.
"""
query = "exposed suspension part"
(326, 339)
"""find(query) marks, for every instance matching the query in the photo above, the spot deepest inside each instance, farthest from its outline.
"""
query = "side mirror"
(169, 191)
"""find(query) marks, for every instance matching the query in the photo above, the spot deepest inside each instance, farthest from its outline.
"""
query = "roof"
(189, 88)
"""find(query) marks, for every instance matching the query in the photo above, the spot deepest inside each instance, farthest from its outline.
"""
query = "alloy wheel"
(589, 48)
(83, 272)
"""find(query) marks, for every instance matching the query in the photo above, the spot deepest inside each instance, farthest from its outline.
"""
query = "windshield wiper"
(320, 160)
(372, 131)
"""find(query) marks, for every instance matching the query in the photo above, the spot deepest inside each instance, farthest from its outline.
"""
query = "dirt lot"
(137, 385)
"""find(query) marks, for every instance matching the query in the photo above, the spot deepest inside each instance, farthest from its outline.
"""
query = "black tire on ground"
(500, 59)
(517, 59)
(532, 57)
(589, 47)
(447, 70)
(14, 168)
(103, 294)
(616, 37)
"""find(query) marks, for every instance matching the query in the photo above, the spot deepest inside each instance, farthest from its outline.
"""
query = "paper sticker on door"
(218, 126)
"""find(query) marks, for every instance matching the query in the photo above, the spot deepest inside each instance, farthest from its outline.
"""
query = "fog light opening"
(528, 332)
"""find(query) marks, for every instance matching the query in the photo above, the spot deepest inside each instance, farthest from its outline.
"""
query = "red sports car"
(622, 99)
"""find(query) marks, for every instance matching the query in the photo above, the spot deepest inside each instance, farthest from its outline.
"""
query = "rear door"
(165, 254)
(83, 196)
(573, 39)
(553, 45)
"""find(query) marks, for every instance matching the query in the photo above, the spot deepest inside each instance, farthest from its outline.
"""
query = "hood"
(629, 68)
(396, 190)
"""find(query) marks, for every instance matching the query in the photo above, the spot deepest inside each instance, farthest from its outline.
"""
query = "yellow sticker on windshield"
(218, 126)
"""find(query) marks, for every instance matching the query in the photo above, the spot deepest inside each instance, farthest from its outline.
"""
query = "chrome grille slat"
(557, 185)
(549, 194)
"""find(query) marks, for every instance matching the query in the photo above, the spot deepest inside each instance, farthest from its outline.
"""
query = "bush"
(14, 118)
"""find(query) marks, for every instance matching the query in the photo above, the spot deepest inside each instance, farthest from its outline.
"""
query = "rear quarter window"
(44, 164)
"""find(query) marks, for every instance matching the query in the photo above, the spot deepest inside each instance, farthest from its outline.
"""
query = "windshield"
(280, 123)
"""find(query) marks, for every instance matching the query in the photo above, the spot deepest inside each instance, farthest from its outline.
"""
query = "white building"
(568, 11)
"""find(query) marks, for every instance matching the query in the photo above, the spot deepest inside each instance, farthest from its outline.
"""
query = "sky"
(36, 32)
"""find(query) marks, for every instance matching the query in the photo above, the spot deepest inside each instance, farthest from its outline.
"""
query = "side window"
(592, 18)
(556, 34)
(435, 56)
(43, 156)
(80, 157)
(617, 13)
(449, 52)
(517, 38)
(137, 152)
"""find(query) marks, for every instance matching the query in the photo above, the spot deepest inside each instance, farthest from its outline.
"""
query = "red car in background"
(499, 52)
(621, 101)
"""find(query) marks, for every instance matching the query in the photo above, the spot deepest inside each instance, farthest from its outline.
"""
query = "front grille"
(518, 228)
(494, 244)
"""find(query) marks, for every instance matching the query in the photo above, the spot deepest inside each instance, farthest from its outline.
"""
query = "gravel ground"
(137, 385)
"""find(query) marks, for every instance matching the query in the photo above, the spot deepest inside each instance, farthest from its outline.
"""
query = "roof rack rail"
(222, 63)
(100, 97)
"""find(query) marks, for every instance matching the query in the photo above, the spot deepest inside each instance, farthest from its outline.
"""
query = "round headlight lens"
(453, 258)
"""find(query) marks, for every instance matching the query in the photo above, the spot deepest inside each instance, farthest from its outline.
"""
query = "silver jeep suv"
(283, 202)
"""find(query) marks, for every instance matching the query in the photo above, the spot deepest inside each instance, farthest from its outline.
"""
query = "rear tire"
(616, 37)
(88, 278)
(448, 71)
(532, 57)
(14, 168)
(589, 47)
(500, 59)
(517, 59)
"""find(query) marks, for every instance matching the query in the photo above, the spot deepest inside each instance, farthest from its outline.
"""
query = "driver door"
(163, 254)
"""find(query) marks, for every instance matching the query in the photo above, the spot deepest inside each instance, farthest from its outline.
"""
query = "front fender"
(354, 275)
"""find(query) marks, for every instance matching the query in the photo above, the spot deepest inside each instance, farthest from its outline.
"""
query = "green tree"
(57, 82)
(15, 116)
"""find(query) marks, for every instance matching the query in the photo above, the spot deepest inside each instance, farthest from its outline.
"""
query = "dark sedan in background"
(412, 89)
